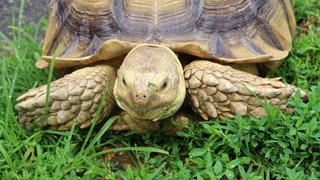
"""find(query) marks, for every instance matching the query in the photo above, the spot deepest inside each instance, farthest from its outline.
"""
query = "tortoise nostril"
(141, 98)
(137, 95)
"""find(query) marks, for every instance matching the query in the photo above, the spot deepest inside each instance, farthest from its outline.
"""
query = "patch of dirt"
(305, 24)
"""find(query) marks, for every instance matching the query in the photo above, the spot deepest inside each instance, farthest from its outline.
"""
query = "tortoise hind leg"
(75, 97)
(221, 91)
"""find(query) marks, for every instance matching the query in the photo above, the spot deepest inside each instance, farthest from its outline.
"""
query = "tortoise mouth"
(146, 113)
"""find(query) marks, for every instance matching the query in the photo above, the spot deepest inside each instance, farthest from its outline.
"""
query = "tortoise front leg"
(168, 126)
(75, 97)
(220, 91)
(127, 122)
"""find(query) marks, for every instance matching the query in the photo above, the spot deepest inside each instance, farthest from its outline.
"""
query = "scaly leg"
(75, 97)
(221, 91)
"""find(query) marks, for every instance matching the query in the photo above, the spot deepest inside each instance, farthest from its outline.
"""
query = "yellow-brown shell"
(229, 31)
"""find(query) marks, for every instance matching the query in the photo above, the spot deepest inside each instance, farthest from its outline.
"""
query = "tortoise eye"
(124, 81)
(164, 85)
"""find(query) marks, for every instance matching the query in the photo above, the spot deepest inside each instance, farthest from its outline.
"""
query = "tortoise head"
(150, 83)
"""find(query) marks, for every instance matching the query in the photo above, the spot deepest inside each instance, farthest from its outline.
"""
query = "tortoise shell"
(228, 31)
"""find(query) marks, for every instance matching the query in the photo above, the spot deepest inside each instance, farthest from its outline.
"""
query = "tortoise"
(150, 56)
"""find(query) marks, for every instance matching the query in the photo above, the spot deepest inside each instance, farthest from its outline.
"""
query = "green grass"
(275, 147)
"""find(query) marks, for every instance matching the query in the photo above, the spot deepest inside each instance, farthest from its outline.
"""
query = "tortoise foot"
(75, 97)
(220, 91)
(169, 126)
(127, 122)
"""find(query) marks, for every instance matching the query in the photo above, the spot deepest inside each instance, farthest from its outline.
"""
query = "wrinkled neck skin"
(150, 83)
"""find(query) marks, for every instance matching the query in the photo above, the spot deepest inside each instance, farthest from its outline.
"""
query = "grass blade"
(142, 149)
(51, 68)
(6, 156)
(102, 131)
